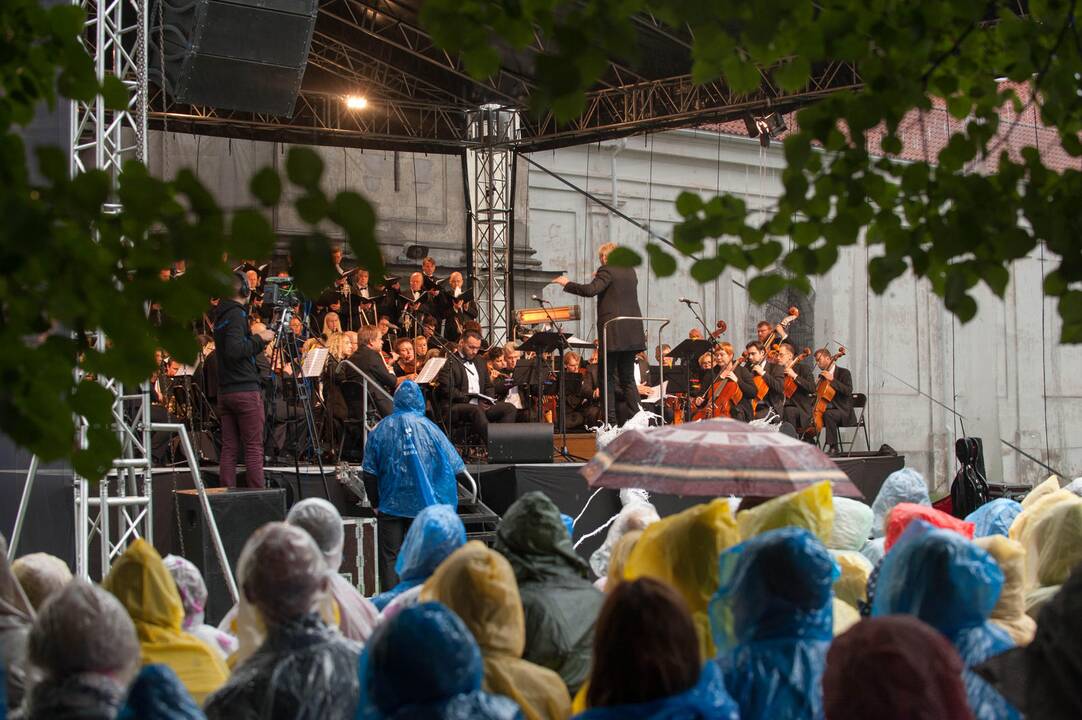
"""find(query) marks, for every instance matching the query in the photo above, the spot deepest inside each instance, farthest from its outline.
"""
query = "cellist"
(798, 407)
(840, 408)
(761, 374)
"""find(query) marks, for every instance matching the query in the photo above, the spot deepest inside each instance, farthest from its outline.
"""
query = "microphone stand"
(713, 343)
(561, 399)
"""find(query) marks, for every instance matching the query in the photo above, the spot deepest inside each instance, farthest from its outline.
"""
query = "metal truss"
(490, 164)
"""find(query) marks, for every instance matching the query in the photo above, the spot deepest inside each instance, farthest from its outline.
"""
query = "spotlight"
(356, 102)
(765, 127)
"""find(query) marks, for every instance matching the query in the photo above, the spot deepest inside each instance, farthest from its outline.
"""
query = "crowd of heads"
(804, 606)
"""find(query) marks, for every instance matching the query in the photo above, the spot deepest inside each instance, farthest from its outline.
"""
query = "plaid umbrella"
(714, 458)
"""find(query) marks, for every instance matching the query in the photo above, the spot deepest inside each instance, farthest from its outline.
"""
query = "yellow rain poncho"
(683, 550)
(811, 508)
(1049, 486)
(479, 586)
(1010, 610)
(1052, 538)
(851, 587)
(140, 580)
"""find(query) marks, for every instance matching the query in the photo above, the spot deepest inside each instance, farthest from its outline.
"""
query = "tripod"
(287, 350)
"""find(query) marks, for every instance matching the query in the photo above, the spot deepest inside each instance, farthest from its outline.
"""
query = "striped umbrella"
(714, 458)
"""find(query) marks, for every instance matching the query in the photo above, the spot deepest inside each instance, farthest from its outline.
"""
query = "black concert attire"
(371, 363)
(390, 305)
(840, 410)
(798, 408)
(775, 394)
(745, 379)
(240, 403)
(616, 289)
(453, 395)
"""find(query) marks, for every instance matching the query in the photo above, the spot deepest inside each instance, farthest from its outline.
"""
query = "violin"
(824, 393)
(790, 383)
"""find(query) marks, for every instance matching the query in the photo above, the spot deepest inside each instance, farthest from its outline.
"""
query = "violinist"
(405, 367)
(703, 376)
(368, 358)
(798, 406)
(840, 408)
(578, 389)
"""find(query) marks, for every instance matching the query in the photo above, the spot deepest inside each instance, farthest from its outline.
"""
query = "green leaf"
(742, 77)
(662, 263)
(115, 93)
(688, 203)
(312, 207)
(763, 287)
(707, 269)
(304, 167)
(266, 186)
(623, 257)
(252, 236)
(312, 268)
(793, 75)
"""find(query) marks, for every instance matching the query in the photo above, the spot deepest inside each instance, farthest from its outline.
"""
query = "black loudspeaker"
(520, 443)
(238, 513)
(245, 55)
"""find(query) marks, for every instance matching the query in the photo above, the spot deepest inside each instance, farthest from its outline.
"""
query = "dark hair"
(403, 341)
(471, 334)
(495, 352)
(822, 351)
(645, 646)
(240, 285)
(754, 344)
(789, 346)
(762, 323)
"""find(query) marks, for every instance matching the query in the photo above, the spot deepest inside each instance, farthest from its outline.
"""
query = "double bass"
(770, 344)
(790, 383)
(824, 393)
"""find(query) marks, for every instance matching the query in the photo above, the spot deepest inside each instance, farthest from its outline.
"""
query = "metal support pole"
(605, 358)
(24, 502)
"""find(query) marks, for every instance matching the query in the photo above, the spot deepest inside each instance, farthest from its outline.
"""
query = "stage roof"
(419, 94)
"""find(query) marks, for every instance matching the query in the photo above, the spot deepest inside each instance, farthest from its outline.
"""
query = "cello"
(824, 393)
(769, 345)
(721, 399)
(790, 383)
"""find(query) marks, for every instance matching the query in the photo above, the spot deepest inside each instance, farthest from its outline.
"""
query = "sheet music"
(430, 370)
(514, 399)
(576, 341)
(184, 371)
(314, 360)
(656, 392)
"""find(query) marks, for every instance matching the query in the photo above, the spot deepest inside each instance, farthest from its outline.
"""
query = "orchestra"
(390, 334)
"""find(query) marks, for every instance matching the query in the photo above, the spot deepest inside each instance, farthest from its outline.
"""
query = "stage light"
(356, 102)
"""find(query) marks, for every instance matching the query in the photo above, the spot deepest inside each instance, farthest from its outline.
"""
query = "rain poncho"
(772, 619)
(16, 616)
(356, 616)
(902, 514)
(158, 694)
(1010, 610)
(85, 645)
(852, 525)
(894, 668)
(682, 550)
(424, 663)
(1049, 486)
(559, 603)
(948, 582)
(811, 508)
(193, 596)
(851, 586)
(995, 517)
(635, 515)
(146, 590)
(479, 586)
(304, 668)
(901, 486)
(618, 560)
(1043, 678)
(436, 532)
(41, 575)
(707, 700)
(415, 462)
(1053, 548)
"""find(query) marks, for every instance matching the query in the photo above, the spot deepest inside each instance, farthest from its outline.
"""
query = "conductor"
(616, 289)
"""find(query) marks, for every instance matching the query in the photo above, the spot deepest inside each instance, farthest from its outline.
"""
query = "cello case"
(970, 487)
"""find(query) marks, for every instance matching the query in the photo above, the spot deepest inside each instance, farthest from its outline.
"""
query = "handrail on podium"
(604, 358)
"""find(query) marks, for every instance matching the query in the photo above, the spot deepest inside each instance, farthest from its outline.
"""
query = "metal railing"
(605, 360)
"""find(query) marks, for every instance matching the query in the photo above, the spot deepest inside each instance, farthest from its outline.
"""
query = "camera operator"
(240, 402)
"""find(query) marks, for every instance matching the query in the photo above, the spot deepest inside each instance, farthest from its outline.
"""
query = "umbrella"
(714, 458)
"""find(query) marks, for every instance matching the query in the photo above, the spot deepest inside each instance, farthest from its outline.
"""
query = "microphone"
(538, 299)
(686, 301)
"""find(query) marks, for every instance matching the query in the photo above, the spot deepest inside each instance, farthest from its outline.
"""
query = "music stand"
(689, 351)
(543, 342)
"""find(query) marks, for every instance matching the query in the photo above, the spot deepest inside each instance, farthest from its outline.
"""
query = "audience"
(158, 694)
(479, 586)
(1010, 610)
(945, 580)
(424, 663)
(1053, 547)
(145, 588)
(903, 514)
(559, 604)
(304, 668)
(646, 660)
(893, 668)
(436, 532)
(618, 559)
(41, 575)
(772, 621)
(193, 596)
(16, 617)
(357, 616)
(901, 486)
(635, 515)
(84, 647)
(995, 517)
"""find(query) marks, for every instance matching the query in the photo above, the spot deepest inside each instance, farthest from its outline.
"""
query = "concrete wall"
(1003, 371)
(994, 370)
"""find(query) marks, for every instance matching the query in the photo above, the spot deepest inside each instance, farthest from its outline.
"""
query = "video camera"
(279, 292)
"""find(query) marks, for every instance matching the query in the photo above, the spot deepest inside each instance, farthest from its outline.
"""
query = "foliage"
(71, 268)
(934, 216)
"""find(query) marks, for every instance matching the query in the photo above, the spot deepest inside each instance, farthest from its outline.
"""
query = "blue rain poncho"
(995, 517)
(772, 620)
(158, 694)
(948, 582)
(424, 663)
(707, 700)
(436, 532)
(415, 462)
(901, 486)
